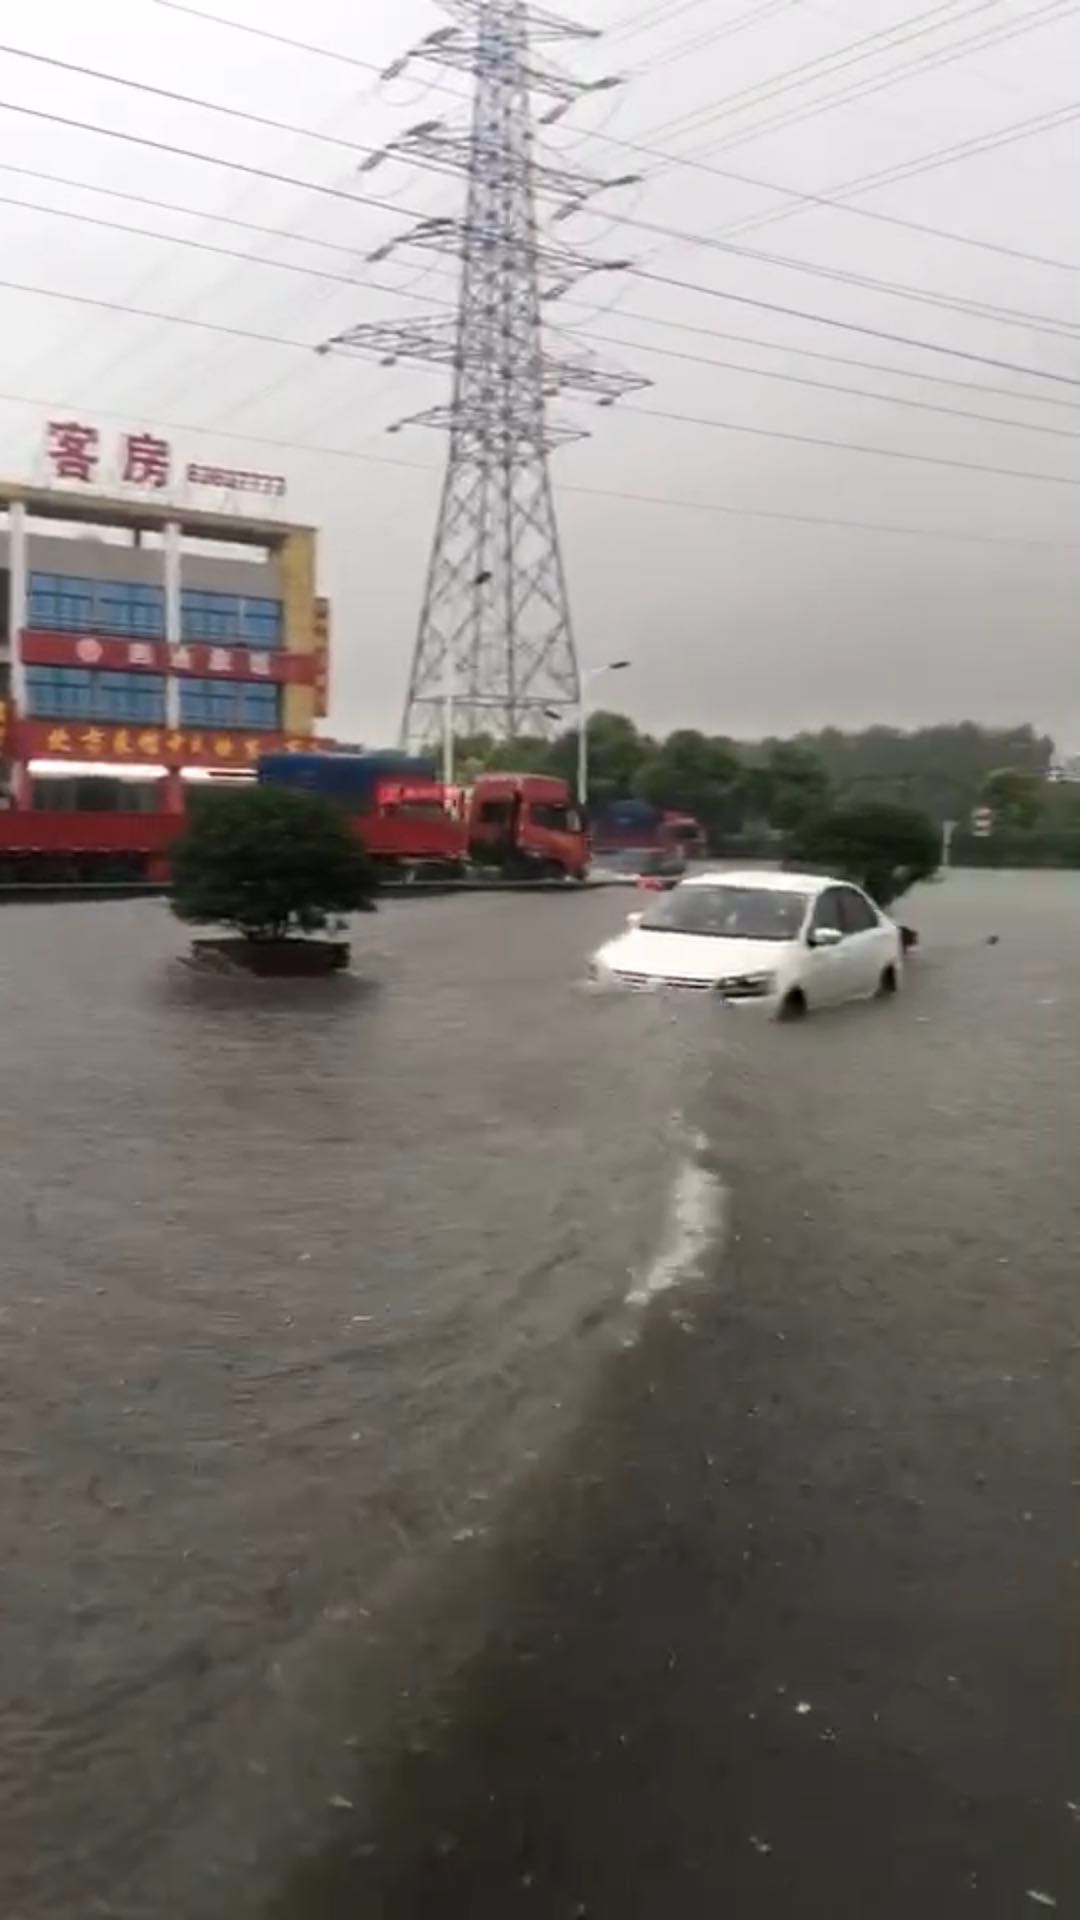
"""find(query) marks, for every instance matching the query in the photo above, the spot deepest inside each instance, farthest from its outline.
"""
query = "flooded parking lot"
(298, 1285)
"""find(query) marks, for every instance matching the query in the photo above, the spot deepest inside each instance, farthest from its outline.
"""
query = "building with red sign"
(142, 640)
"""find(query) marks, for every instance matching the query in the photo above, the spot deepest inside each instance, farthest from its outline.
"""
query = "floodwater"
(301, 1283)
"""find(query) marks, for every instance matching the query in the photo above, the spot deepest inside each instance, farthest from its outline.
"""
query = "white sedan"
(790, 941)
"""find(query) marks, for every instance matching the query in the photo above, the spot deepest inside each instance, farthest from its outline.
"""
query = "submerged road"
(366, 1555)
(789, 1627)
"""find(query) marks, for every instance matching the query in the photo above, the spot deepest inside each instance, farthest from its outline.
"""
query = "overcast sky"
(738, 624)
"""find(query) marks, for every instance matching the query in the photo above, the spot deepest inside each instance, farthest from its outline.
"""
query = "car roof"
(770, 879)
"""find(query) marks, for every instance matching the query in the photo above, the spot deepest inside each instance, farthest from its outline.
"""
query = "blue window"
(57, 600)
(262, 622)
(70, 604)
(230, 703)
(77, 693)
(120, 608)
(230, 619)
(67, 603)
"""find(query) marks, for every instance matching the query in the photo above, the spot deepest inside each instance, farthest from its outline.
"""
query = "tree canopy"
(883, 848)
(741, 787)
(270, 862)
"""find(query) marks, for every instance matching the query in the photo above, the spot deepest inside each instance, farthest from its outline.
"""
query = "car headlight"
(748, 986)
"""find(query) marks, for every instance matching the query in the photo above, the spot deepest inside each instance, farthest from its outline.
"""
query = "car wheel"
(793, 1006)
(889, 983)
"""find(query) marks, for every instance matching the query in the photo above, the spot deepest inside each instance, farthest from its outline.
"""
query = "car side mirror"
(825, 936)
(634, 919)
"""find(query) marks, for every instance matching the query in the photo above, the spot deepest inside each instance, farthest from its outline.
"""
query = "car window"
(829, 912)
(858, 915)
(728, 912)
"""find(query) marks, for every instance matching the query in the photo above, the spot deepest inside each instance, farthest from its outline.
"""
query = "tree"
(883, 848)
(270, 862)
(1015, 797)
(787, 786)
(694, 773)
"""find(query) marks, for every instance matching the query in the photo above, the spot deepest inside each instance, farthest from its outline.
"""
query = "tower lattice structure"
(495, 648)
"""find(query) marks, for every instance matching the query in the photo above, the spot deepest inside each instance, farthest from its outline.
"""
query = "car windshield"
(729, 913)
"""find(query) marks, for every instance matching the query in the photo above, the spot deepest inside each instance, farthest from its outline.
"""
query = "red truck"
(518, 825)
(525, 825)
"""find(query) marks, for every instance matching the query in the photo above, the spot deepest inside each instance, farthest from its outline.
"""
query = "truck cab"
(526, 824)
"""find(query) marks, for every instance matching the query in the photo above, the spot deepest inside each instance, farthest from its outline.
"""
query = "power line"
(789, 79)
(655, 15)
(833, 359)
(303, 346)
(1003, 316)
(740, 24)
(717, 507)
(637, 146)
(207, 159)
(195, 213)
(832, 386)
(189, 100)
(852, 446)
(337, 247)
(830, 200)
(973, 44)
(321, 274)
(226, 253)
(954, 303)
(338, 193)
(852, 326)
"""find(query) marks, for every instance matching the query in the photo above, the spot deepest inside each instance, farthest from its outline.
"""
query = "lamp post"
(588, 675)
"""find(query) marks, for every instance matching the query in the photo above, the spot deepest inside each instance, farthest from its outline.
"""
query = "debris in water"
(760, 1846)
(993, 939)
(804, 1708)
(464, 1534)
(339, 1801)
(1041, 1899)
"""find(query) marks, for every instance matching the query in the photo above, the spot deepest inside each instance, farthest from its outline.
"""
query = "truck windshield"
(556, 819)
(728, 913)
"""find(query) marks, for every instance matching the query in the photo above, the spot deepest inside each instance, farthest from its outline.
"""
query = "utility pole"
(495, 648)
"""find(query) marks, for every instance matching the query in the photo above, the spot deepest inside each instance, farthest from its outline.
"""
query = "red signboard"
(44, 649)
(153, 746)
(322, 658)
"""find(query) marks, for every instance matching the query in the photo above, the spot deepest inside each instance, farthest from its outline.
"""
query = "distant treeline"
(745, 791)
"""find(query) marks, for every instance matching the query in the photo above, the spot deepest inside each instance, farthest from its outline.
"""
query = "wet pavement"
(366, 1555)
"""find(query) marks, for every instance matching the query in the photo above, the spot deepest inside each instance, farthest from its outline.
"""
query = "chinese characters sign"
(41, 649)
(322, 658)
(153, 746)
(74, 451)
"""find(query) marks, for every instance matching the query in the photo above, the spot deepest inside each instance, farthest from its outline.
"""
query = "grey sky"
(738, 624)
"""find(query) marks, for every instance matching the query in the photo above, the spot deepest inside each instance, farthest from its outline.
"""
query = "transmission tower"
(495, 648)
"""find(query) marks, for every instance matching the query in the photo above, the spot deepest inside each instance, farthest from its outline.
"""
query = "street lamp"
(587, 676)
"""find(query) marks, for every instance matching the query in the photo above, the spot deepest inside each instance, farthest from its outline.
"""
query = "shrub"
(883, 848)
(269, 862)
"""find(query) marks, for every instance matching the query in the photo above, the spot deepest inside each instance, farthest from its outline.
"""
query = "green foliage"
(788, 785)
(694, 773)
(269, 862)
(739, 788)
(1014, 796)
(881, 847)
(939, 770)
(1044, 846)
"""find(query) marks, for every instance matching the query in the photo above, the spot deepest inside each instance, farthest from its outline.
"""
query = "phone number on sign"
(236, 480)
